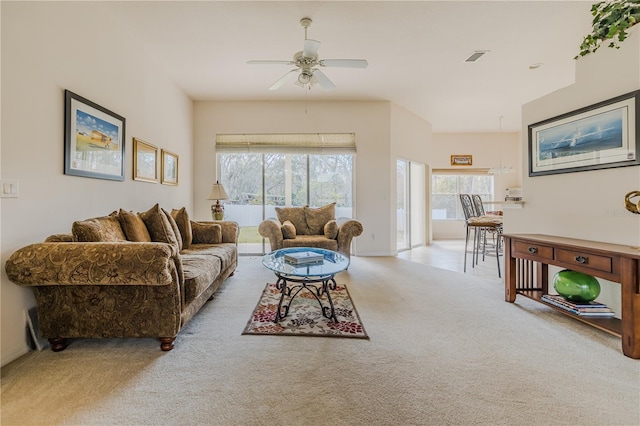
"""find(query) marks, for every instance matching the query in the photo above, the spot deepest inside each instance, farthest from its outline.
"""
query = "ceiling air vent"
(477, 54)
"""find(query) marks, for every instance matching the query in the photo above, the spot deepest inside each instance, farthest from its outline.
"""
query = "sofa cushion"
(206, 233)
(318, 241)
(226, 252)
(295, 215)
(174, 227)
(331, 230)
(288, 230)
(159, 227)
(199, 272)
(184, 225)
(317, 218)
(134, 227)
(98, 229)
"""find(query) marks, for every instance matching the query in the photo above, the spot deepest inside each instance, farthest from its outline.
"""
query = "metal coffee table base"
(311, 285)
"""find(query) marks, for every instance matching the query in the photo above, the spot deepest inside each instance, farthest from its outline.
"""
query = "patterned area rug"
(305, 316)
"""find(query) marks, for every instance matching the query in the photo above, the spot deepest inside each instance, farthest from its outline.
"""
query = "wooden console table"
(527, 260)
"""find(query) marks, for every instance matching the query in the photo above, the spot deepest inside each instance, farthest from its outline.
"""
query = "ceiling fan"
(308, 63)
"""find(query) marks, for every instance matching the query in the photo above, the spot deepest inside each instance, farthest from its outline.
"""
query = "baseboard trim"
(12, 354)
(375, 254)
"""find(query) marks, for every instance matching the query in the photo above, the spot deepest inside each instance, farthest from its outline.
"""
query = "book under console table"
(527, 260)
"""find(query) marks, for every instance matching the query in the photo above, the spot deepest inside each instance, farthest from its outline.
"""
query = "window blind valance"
(308, 143)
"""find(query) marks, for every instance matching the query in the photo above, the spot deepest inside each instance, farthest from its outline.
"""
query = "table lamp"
(217, 193)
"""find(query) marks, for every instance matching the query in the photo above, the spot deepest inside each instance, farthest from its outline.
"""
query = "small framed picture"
(93, 139)
(145, 161)
(169, 173)
(461, 160)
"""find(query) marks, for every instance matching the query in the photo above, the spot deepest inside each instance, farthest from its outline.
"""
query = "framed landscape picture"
(599, 136)
(93, 139)
(169, 171)
(145, 161)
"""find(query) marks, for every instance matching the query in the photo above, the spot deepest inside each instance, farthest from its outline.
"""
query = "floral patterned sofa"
(126, 275)
(310, 227)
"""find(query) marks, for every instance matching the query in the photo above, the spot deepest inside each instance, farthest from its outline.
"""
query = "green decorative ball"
(576, 286)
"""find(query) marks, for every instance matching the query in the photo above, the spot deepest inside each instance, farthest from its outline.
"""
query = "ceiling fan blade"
(269, 62)
(344, 63)
(323, 80)
(310, 48)
(288, 76)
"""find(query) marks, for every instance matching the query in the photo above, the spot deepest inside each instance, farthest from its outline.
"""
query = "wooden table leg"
(630, 314)
(509, 273)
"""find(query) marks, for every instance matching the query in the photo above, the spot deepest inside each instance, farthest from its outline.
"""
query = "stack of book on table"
(585, 309)
(303, 257)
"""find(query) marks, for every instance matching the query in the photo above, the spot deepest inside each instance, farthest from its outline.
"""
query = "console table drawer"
(585, 260)
(532, 251)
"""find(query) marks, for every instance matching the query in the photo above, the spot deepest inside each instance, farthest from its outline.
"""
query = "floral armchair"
(310, 227)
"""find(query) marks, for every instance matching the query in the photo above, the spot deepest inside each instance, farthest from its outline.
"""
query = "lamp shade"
(217, 192)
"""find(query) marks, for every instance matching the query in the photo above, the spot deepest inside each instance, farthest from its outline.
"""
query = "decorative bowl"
(576, 286)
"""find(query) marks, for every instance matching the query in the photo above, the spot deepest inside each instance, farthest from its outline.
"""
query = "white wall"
(375, 168)
(488, 150)
(46, 48)
(589, 204)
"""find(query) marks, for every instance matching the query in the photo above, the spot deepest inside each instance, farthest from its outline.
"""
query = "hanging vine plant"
(611, 20)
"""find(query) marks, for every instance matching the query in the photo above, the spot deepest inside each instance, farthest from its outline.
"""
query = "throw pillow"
(288, 230)
(159, 227)
(317, 218)
(134, 227)
(295, 215)
(331, 230)
(184, 225)
(174, 227)
(98, 229)
(206, 233)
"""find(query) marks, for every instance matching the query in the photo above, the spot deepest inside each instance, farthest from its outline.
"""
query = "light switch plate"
(9, 188)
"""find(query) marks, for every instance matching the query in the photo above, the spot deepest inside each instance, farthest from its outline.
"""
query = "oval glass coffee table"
(316, 276)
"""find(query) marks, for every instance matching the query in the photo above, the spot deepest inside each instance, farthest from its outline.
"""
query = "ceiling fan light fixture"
(304, 77)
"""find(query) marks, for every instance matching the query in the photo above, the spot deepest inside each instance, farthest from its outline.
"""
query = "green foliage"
(611, 21)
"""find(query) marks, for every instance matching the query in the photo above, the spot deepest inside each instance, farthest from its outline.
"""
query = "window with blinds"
(263, 171)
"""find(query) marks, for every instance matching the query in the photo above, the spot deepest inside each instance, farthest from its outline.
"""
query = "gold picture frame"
(461, 160)
(145, 161)
(169, 172)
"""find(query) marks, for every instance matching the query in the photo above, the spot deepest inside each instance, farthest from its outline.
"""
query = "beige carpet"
(444, 348)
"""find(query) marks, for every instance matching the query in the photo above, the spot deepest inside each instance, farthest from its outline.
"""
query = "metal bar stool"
(494, 227)
(481, 224)
(469, 215)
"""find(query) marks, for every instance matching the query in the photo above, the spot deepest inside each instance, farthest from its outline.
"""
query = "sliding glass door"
(418, 198)
(258, 183)
(410, 204)
(403, 240)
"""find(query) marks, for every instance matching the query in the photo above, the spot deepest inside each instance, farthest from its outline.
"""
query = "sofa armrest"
(59, 238)
(103, 263)
(230, 230)
(270, 228)
(347, 230)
